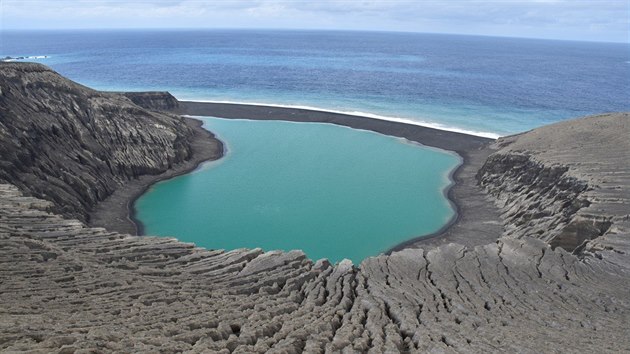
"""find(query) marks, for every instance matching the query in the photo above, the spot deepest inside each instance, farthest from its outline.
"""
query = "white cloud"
(572, 19)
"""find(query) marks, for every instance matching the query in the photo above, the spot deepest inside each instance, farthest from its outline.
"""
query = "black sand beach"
(442, 139)
(116, 213)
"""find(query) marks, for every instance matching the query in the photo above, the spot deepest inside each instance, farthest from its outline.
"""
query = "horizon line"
(297, 30)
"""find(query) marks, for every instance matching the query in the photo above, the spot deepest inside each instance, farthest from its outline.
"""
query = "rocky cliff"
(157, 101)
(566, 184)
(66, 287)
(74, 146)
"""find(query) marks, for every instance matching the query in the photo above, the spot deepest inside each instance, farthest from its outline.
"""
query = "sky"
(589, 20)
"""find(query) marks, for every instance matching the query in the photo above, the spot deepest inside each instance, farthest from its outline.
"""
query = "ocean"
(332, 191)
(482, 85)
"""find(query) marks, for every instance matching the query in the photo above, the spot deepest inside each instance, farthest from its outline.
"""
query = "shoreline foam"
(429, 136)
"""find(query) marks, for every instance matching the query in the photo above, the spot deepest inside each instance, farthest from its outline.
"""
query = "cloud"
(567, 19)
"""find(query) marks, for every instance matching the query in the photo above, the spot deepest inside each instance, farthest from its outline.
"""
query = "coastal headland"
(557, 276)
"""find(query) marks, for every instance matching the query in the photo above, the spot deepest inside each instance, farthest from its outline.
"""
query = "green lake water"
(331, 191)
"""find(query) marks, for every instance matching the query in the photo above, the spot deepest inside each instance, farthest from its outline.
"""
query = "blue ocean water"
(488, 85)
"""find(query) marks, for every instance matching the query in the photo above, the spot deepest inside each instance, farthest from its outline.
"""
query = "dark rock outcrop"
(156, 101)
(74, 146)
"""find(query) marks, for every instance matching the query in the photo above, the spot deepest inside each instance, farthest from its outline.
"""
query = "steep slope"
(69, 287)
(566, 183)
(157, 101)
(74, 146)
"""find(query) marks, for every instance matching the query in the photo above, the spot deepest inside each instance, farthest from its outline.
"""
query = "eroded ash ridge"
(557, 279)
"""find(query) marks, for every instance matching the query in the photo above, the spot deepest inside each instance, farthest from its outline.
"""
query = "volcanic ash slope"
(75, 146)
(67, 287)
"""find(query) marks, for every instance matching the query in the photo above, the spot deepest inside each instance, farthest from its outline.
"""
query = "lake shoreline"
(473, 212)
(117, 212)
(448, 194)
(475, 220)
(439, 138)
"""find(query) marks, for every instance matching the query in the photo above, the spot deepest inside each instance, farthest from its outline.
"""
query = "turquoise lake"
(331, 191)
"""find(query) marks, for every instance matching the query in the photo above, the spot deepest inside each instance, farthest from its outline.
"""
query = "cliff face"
(157, 101)
(566, 183)
(69, 144)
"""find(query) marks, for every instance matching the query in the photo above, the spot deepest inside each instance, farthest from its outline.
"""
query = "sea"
(331, 191)
(482, 85)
